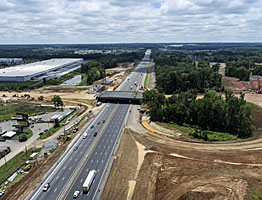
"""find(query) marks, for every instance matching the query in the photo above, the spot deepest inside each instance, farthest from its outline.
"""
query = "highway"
(92, 153)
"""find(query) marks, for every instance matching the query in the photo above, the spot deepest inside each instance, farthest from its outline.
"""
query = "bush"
(22, 137)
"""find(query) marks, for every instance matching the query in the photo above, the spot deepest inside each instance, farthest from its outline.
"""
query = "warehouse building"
(30, 71)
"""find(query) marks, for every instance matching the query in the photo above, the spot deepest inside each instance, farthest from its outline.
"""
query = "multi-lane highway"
(92, 153)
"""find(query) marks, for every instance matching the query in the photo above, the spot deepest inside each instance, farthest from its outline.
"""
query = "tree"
(57, 101)
(56, 123)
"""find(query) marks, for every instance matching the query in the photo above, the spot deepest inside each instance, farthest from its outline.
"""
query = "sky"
(129, 21)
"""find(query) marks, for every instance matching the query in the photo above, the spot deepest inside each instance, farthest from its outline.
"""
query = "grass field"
(8, 109)
(15, 85)
(14, 164)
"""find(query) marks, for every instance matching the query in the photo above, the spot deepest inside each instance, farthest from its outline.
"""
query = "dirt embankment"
(176, 171)
(123, 169)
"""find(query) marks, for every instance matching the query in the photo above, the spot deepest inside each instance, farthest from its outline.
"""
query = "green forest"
(210, 113)
(176, 72)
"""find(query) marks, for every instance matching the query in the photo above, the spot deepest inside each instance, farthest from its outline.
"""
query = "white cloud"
(110, 21)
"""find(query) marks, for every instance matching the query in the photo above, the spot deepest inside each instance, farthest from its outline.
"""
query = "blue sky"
(115, 21)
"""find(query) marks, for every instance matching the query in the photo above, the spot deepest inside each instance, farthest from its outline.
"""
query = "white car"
(76, 193)
(46, 187)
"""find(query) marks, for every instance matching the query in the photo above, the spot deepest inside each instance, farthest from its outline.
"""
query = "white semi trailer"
(89, 179)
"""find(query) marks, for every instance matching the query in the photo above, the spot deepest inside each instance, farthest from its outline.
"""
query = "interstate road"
(70, 172)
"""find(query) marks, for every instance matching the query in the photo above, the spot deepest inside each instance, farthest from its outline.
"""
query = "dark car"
(98, 122)
(41, 133)
(75, 148)
(95, 134)
(104, 121)
(2, 139)
(92, 126)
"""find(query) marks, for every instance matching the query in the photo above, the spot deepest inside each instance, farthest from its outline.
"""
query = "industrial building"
(31, 71)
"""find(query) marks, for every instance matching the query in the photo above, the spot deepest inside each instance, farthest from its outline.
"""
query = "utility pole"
(25, 150)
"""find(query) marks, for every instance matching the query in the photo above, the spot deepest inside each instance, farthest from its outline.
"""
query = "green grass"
(28, 133)
(14, 164)
(15, 85)
(183, 129)
(256, 193)
(84, 80)
(147, 78)
(8, 109)
(211, 135)
(50, 132)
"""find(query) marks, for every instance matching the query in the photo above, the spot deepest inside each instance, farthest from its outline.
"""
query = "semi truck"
(89, 180)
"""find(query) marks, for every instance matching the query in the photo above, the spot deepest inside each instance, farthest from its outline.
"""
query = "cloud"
(110, 21)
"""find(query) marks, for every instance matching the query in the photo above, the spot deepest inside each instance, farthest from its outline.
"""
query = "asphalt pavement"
(70, 172)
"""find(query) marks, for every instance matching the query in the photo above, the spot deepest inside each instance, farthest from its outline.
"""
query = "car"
(92, 126)
(104, 121)
(2, 139)
(98, 122)
(76, 193)
(46, 187)
(32, 126)
(75, 148)
(95, 134)
(45, 130)
(41, 133)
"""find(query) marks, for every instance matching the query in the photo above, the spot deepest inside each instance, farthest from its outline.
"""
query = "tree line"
(177, 72)
(95, 69)
(212, 112)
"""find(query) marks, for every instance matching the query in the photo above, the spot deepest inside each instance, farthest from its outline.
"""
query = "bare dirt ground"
(191, 173)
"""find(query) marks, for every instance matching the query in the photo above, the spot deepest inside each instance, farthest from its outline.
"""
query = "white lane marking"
(55, 189)
(86, 170)
(64, 167)
(92, 161)
(70, 168)
(63, 178)
(57, 177)
(81, 180)
(81, 152)
(70, 158)
(76, 159)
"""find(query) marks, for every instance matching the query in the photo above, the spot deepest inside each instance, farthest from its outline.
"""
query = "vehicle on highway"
(131, 87)
(89, 180)
(84, 135)
(104, 121)
(46, 187)
(76, 193)
(95, 134)
(75, 148)
(32, 126)
(92, 126)
(98, 122)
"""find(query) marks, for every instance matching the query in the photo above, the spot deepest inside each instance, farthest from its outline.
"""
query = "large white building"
(27, 72)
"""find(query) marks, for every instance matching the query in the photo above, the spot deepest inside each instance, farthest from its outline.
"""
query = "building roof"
(9, 134)
(33, 68)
